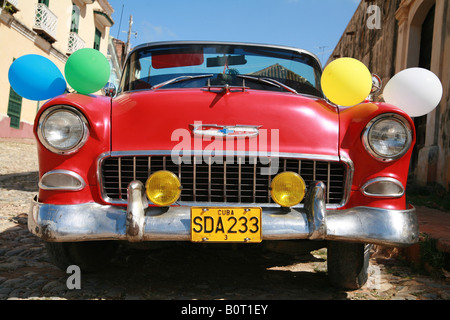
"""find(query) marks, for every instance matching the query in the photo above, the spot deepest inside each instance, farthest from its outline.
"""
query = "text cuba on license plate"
(212, 224)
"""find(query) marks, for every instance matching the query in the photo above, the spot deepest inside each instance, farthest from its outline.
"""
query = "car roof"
(279, 47)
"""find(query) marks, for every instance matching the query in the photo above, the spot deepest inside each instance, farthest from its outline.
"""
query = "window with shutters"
(98, 36)
(14, 109)
(75, 22)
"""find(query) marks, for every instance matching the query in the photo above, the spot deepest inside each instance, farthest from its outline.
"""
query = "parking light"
(163, 188)
(288, 189)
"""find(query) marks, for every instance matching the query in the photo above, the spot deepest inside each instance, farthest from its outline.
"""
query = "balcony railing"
(14, 2)
(75, 43)
(45, 22)
(10, 6)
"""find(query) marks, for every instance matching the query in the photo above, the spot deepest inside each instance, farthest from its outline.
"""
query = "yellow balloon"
(346, 82)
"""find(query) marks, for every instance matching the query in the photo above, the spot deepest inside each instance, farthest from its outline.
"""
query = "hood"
(164, 120)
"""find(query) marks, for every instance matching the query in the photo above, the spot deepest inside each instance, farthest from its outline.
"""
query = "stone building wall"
(391, 35)
(373, 44)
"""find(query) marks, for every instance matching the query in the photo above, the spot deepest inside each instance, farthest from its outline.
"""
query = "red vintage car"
(214, 142)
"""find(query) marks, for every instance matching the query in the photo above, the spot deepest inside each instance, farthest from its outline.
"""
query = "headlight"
(62, 129)
(287, 189)
(387, 137)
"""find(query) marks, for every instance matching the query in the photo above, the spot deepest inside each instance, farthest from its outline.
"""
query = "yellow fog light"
(163, 188)
(288, 189)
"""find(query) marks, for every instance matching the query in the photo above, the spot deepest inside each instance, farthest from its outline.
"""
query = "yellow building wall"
(21, 47)
(18, 38)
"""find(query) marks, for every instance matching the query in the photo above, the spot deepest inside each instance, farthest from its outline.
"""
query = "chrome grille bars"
(236, 180)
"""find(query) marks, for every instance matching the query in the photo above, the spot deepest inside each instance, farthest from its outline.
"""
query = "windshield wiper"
(180, 79)
(269, 81)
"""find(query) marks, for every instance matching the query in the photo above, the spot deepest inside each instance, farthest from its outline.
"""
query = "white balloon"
(416, 91)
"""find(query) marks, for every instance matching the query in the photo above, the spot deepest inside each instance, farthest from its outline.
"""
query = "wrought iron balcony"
(75, 43)
(45, 22)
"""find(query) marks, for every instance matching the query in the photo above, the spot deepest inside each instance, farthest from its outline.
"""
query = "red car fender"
(353, 122)
(97, 110)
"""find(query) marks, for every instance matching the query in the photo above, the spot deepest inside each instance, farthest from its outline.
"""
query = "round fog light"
(163, 188)
(288, 189)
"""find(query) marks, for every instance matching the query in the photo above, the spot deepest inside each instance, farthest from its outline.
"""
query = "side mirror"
(109, 90)
(377, 84)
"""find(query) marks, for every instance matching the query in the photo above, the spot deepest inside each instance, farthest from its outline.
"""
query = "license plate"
(225, 224)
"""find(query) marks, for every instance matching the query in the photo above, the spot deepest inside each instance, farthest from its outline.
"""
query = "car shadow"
(236, 272)
(164, 271)
(23, 181)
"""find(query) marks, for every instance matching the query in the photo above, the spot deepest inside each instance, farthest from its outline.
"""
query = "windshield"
(209, 65)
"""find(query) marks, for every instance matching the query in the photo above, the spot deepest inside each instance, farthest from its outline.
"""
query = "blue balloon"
(36, 78)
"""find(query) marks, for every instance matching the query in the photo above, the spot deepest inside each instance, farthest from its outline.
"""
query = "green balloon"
(87, 71)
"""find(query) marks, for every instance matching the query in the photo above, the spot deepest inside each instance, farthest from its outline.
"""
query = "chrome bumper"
(138, 222)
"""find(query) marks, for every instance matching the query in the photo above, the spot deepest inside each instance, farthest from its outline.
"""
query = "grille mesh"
(234, 180)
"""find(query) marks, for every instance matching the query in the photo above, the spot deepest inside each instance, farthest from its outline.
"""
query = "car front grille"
(236, 180)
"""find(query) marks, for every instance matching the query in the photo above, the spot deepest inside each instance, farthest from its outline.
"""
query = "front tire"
(89, 256)
(348, 264)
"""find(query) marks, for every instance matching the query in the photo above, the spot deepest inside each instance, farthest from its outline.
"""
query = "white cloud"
(150, 32)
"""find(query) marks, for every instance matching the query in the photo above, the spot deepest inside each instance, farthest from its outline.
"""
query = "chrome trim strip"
(64, 172)
(239, 178)
(225, 180)
(209, 180)
(120, 176)
(194, 178)
(169, 43)
(215, 153)
(269, 182)
(254, 179)
(328, 181)
(195, 153)
(349, 181)
(134, 167)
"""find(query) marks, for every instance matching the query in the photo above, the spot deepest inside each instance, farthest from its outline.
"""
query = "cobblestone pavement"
(177, 271)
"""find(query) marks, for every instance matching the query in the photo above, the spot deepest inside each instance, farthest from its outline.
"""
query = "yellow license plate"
(225, 224)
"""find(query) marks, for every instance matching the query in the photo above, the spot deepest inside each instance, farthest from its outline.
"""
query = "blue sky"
(314, 25)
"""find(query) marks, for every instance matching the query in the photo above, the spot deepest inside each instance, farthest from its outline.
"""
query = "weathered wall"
(396, 44)
(362, 39)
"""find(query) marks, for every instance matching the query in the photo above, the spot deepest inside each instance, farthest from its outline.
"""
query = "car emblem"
(214, 130)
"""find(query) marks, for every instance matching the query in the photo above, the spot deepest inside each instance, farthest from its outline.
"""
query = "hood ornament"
(214, 130)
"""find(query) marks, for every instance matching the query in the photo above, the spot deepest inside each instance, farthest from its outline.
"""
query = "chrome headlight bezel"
(377, 153)
(79, 141)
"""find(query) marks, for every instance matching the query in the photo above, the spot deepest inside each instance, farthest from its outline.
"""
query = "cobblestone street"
(178, 271)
